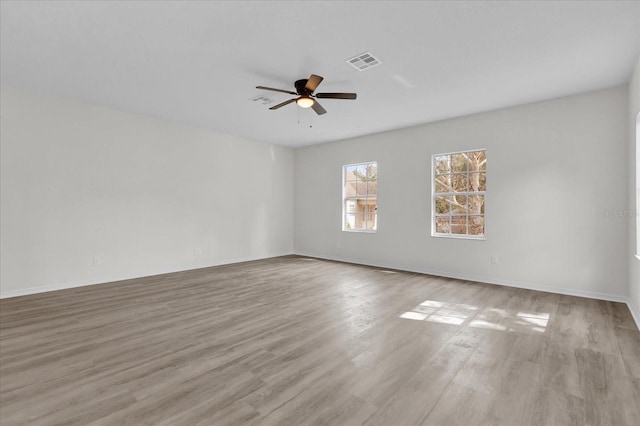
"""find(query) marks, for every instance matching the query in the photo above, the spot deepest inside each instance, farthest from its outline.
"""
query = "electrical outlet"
(198, 251)
(97, 261)
(494, 259)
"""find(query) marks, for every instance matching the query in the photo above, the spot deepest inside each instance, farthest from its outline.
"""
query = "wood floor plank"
(303, 341)
(558, 408)
(413, 401)
(517, 378)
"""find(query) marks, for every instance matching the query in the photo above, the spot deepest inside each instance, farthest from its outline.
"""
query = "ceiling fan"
(306, 98)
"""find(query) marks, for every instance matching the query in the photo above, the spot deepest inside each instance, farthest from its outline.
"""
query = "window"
(459, 185)
(360, 197)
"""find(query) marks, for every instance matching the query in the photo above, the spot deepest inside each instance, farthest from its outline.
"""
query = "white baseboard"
(488, 280)
(114, 278)
(635, 313)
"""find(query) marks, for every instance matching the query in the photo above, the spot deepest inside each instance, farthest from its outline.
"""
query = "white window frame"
(637, 206)
(467, 193)
(345, 199)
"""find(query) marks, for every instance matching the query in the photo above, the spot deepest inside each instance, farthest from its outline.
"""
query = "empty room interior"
(320, 213)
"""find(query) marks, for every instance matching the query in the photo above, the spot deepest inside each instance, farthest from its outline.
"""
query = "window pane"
(459, 162)
(371, 215)
(443, 183)
(477, 182)
(361, 171)
(369, 224)
(459, 224)
(459, 204)
(442, 164)
(459, 182)
(481, 160)
(443, 204)
(350, 206)
(355, 221)
(374, 215)
(350, 189)
(362, 205)
(476, 225)
(362, 188)
(372, 187)
(476, 204)
(350, 221)
(349, 173)
(372, 172)
(442, 224)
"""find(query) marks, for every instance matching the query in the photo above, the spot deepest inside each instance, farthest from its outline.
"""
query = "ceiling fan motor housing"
(301, 89)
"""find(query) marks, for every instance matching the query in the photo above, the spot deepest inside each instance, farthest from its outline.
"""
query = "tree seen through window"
(459, 183)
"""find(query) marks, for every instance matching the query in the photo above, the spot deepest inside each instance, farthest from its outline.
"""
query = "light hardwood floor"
(298, 341)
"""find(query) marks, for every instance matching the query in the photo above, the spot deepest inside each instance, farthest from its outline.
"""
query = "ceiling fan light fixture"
(305, 102)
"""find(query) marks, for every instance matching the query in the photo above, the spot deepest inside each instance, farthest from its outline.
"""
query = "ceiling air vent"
(364, 61)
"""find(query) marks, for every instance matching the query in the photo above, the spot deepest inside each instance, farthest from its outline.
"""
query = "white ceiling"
(198, 62)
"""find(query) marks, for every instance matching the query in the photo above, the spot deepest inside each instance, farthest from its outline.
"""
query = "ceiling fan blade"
(276, 90)
(313, 82)
(318, 108)
(283, 104)
(336, 95)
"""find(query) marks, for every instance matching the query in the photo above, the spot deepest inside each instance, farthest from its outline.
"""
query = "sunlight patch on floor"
(441, 312)
(488, 318)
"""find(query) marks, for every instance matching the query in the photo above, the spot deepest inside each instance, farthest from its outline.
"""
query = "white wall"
(634, 189)
(554, 167)
(92, 195)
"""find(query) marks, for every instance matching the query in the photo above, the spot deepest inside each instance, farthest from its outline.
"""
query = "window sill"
(459, 237)
(638, 256)
(361, 231)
